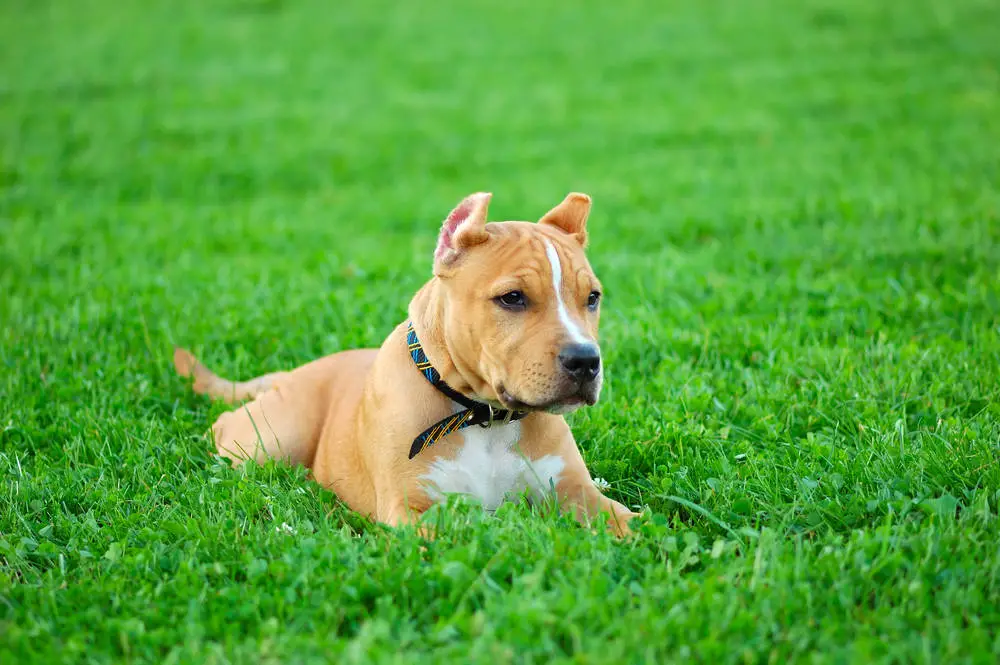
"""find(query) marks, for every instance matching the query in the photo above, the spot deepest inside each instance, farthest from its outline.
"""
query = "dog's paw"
(184, 362)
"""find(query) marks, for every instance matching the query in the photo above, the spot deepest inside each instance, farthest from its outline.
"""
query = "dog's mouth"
(579, 396)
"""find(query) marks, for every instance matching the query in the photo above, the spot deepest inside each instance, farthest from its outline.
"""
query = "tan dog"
(467, 400)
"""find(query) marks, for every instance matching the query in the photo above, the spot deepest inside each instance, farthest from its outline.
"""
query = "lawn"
(797, 223)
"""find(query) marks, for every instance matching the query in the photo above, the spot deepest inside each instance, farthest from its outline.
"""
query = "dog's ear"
(570, 216)
(465, 227)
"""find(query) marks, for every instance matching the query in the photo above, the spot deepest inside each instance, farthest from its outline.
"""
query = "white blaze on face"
(572, 329)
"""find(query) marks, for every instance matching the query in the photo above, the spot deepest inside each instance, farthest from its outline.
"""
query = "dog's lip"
(573, 399)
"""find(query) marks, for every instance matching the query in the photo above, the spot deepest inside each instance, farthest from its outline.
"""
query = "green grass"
(797, 219)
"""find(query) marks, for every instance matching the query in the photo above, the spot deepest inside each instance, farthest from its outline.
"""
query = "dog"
(466, 396)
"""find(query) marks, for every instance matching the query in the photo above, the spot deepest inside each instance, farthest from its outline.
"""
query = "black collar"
(474, 413)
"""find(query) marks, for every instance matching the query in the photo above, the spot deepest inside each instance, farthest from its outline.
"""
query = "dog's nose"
(581, 361)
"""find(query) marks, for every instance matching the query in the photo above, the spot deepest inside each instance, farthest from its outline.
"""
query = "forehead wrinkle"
(534, 271)
(534, 268)
(527, 271)
(585, 273)
(507, 249)
(531, 273)
(572, 270)
(522, 275)
(578, 276)
(531, 267)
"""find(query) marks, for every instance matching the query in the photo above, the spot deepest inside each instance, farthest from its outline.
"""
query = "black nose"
(581, 361)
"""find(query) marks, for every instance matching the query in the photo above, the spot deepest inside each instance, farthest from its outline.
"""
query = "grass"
(797, 226)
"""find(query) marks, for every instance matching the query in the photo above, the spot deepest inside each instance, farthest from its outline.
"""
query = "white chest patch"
(490, 468)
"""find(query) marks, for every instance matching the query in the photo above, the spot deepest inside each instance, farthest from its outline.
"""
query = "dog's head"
(521, 304)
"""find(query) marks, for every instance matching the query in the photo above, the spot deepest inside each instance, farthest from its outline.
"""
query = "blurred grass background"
(796, 221)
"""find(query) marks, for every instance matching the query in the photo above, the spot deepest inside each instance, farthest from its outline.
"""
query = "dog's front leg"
(586, 501)
(396, 512)
(576, 492)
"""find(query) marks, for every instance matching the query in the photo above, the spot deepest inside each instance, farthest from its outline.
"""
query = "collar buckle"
(494, 416)
(488, 423)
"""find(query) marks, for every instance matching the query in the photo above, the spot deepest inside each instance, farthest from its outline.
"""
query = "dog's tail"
(206, 382)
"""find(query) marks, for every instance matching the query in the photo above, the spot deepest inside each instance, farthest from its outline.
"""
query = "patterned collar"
(474, 413)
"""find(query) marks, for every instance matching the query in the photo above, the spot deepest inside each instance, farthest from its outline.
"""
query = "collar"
(474, 413)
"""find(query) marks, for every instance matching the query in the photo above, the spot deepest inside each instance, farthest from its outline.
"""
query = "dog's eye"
(513, 300)
(594, 300)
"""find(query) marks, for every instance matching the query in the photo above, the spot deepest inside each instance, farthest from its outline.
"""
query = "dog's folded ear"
(570, 216)
(465, 227)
